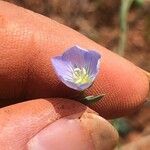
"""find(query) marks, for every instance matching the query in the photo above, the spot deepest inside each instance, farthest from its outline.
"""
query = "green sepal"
(92, 99)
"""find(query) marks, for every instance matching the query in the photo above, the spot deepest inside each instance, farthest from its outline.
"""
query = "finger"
(29, 40)
(56, 124)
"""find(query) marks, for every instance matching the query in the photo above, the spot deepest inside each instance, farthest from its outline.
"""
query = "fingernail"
(72, 133)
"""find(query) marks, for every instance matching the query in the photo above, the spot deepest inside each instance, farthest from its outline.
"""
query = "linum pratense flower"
(77, 67)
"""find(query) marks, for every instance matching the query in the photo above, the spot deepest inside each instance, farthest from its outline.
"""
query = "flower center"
(80, 76)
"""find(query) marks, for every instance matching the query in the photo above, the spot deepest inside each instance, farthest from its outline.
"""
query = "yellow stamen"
(81, 76)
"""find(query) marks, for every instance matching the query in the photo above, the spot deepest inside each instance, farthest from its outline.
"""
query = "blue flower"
(77, 67)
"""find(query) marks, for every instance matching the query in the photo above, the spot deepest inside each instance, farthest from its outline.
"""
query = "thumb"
(56, 124)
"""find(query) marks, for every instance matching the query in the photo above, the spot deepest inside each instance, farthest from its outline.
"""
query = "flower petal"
(92, 62)
(75, 55)
(62, 68)
(85, 86)
(72, 85)
(76, 86)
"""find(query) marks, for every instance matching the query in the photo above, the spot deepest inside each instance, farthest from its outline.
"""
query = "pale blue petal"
(76, 86)
(63, 69)
(92, 62)
(75, 55)
(85, 86)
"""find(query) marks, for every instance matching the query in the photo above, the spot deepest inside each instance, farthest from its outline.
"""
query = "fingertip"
(126, 88)
(87, 132)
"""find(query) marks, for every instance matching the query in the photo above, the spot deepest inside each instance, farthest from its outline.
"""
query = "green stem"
(125, 6)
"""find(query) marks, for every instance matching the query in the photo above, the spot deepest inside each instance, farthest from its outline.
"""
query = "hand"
(27, 42)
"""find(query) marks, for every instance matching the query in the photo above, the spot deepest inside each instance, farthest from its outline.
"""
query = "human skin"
(27, 42)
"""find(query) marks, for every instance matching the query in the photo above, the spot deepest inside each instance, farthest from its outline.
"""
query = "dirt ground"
(99, 20)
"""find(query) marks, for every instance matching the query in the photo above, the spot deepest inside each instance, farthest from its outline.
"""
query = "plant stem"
(125, 6)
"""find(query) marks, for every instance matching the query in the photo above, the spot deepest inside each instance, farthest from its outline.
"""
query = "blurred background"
(122, 26)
